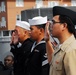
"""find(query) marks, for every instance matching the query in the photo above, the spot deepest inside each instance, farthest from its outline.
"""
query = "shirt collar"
(67, 42)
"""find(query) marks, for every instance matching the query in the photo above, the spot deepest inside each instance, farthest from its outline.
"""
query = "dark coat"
(38, 63)
(20, 56)
(6, 71)
(1, 66)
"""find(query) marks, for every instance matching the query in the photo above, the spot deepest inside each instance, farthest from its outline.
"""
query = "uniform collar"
(65, 44)
(34, 45)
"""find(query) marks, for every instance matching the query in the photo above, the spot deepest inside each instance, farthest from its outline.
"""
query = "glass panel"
(3, 6)
(19, 3)
(73, 3)
(53, 3)
(39, 3)
(5, 33)
(3, 22)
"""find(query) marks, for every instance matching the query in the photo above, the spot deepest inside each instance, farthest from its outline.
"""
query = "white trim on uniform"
(19, 45)
(36, 45)
(45, 62)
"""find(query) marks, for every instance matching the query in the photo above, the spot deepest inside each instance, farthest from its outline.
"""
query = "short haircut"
(41, 26)
(70, 24)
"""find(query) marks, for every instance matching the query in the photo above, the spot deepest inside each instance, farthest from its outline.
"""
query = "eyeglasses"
(53, 22)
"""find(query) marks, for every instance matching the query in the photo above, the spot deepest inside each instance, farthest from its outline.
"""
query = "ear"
(41, 29)
(25, 32)
(65, 25)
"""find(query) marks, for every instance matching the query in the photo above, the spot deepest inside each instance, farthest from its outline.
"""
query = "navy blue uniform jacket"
(20, 56)
(38, 63)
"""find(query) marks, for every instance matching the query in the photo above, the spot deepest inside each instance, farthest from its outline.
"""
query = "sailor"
(21, 46)
(38, 63)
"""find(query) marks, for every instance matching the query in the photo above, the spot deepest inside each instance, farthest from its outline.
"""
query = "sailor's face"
(20, 32)
(34, 32)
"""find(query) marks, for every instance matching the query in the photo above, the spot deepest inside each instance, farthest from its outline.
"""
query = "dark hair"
(70, 24)
(41, 26)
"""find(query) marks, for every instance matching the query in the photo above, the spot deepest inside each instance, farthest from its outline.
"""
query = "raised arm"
(49, 48)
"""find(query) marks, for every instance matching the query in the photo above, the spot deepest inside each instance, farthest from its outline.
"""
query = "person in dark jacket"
(7, 67)
(20, 46)
(8, 64)
(38, 63)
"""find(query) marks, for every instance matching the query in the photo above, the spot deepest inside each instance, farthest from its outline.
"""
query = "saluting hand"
(14, 38)
(47, 33)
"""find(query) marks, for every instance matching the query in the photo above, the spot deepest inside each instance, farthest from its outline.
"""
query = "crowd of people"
(33, 51)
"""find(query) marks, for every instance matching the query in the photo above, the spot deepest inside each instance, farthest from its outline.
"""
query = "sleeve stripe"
(45, 62)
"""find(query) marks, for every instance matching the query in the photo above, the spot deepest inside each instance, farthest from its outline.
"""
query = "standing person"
(8, 64)
(38, 63)
(63, 60)
(7, 68)
(20, 46)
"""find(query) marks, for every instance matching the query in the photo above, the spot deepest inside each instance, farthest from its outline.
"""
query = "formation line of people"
(33, 51)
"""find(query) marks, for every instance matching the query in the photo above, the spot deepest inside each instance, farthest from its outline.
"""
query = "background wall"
(4, 49)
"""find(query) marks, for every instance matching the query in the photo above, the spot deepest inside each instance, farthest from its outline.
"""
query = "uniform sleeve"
(45, 69)
(70, 63)
(15, 48)
(45, 64)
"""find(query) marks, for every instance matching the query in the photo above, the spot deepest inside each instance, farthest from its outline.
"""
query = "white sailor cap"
(38, 20)
(23, 24)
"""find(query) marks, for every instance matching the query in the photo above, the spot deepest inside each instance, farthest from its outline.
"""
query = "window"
(39, 3)
(18, 17)
(53, 3)
(3, 6)
(4, 36)
(3, 22)
(5, 33)
(73, 3)
(1, 34)
(19, 3)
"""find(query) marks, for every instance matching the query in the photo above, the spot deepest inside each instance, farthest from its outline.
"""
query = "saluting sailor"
(38, 63)
(21, 44)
